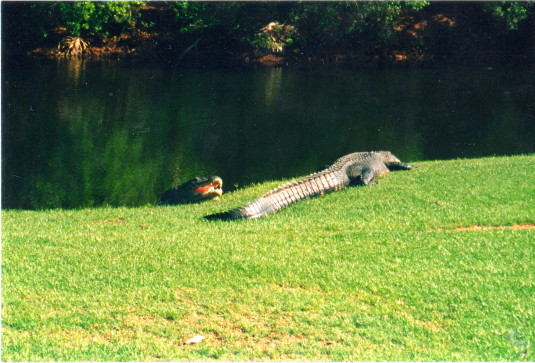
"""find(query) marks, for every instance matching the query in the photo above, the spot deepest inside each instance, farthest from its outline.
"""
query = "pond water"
(80, 134)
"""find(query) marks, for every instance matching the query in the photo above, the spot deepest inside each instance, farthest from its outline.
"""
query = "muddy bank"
(148, 53)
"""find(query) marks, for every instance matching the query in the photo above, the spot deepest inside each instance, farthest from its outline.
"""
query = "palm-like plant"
(73, 46)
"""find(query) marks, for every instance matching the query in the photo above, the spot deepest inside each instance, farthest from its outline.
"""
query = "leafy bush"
(91, 18)
(349, 24)
(274, 37)
(510, 14)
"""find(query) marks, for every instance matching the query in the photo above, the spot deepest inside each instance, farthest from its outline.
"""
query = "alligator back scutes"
(349, 159)
(311, 185)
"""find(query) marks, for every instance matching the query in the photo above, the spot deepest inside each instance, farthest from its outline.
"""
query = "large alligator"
(356, 168)
(195, 190)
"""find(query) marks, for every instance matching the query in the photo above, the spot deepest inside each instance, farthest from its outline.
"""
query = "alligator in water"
(195, 190)
(356, 168)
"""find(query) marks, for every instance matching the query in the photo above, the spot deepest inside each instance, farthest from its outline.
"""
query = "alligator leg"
(400, 166)
(367, 177)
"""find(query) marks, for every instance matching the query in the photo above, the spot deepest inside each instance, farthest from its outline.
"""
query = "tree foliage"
(365, 27)
(510, 14)
(339, 23)
(82, 18)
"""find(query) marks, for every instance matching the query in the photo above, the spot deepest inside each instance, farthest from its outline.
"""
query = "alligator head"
(195, 190)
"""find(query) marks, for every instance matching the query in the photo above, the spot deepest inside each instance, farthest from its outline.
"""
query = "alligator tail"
(279, 198)
(257, 208)
(228, 216)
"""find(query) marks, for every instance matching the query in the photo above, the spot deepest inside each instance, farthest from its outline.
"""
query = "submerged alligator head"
(195, 190)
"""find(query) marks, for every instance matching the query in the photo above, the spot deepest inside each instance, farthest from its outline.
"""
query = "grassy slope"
(368, 273)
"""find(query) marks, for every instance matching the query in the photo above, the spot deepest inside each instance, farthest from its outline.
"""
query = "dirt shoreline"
(100, 53)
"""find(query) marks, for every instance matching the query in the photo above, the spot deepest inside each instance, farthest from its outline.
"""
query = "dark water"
(79, 134)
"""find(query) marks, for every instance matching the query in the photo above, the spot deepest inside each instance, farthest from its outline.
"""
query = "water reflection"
(75, 69)
(273, 86)
(85, 134)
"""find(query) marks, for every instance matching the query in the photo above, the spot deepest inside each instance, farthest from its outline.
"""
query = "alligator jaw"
(213, 188)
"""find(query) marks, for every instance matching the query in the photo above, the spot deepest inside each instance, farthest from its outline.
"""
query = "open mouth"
(214, 186)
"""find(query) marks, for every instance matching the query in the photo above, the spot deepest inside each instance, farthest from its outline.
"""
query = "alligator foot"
(400, 166)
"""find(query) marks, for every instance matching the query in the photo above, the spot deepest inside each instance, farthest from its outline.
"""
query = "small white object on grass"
(196, 339)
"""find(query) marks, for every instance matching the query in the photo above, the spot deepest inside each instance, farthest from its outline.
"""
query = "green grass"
(368, 273)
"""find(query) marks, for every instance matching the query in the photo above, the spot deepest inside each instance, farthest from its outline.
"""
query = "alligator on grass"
(195, 190)
(356, 168)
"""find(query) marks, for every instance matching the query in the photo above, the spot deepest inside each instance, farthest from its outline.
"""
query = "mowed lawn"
(376, 273)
